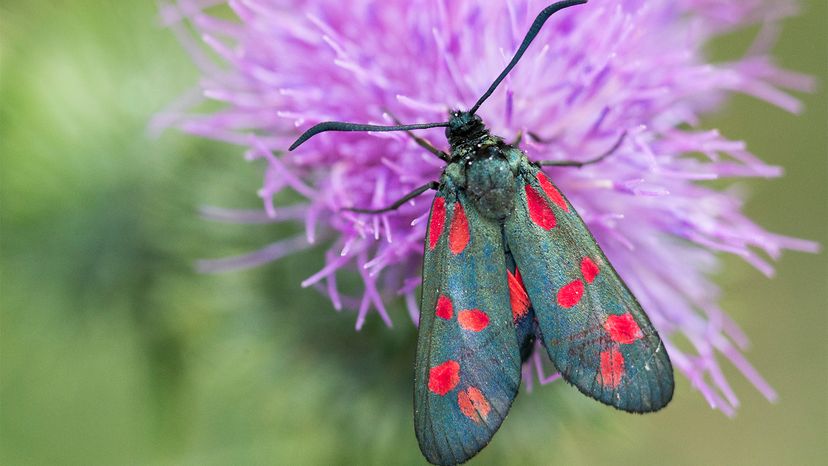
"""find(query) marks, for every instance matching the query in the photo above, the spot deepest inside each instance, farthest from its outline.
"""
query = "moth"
(507, 262)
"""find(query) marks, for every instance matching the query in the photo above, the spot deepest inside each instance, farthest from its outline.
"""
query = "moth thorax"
(491, 187)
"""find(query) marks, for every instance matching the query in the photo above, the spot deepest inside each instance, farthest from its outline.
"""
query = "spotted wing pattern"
(468, 363)
(594, 330)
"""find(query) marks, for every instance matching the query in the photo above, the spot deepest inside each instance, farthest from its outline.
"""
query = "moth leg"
(424, 143)
(574, 163)
(429, 147)
(540, 139)
(518, 138)
(396, 205)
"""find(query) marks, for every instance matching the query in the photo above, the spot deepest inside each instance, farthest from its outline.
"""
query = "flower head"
(594, 73)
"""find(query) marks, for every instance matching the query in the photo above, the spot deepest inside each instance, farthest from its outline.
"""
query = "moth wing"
(468, 364)
(593, 328)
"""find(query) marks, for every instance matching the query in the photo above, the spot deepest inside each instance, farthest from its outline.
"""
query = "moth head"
(462, 124)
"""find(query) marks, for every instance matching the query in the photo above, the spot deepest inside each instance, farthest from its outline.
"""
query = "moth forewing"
(593, 328)
(467, 370)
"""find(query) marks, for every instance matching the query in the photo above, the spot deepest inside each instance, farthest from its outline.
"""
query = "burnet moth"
(508, 261)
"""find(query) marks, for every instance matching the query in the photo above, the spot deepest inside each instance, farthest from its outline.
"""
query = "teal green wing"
(468, 364)
(593, 328)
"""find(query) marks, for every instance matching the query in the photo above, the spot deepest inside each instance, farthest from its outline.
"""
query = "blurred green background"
(114, 351)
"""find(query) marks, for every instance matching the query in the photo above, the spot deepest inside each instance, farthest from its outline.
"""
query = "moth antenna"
(530, 36)
(340, 126)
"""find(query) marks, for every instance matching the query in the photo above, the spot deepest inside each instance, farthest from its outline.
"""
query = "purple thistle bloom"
(594, 73)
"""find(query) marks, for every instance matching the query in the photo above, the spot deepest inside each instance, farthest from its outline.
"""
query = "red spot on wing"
(612, 367)
(539, 210)
(589, 270)
(474, 404)
(570, 294)
(459, 230)
(444, 308)
(552, 192)
(473, 320)
(623, 328)
(443, 378)
(438, 220)
(517, 295)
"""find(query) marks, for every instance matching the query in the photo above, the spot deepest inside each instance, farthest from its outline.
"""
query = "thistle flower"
(593, 74)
